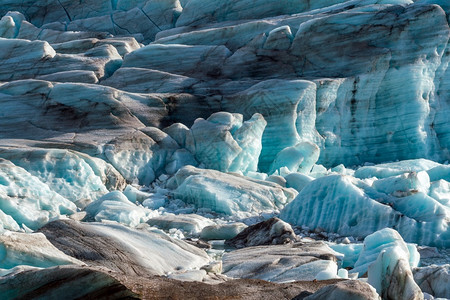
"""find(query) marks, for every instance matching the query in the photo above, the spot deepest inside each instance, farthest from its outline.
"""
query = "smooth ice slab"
(228, 193)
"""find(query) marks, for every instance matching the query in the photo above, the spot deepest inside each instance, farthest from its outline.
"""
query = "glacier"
(156, 133)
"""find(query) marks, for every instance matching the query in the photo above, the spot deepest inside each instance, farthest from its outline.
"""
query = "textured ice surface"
(279, 263)
(31, 249)
(94, 95)
(299, 158)
(222, 231)
(434, 280)
(75, 176)
(228, 193)
(28, 200)
(225, 143)
(190, 224)
(123, 249)
(115, 206)
(349, 206)
(348, 289)
(392, 277)
(379, 241)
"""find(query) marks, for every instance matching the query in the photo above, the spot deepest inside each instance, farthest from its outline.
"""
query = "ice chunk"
(391, 275)
(32, 249)
(396, 168)
(279, 38)
(135, 195)
(7, 27)
(229, 194)
(329, 273)
(178, 132)
(191, 224)
(123, 249)
(115, 206)
(222, 231)
(377, 242)
(288, 106)
(439, 172)
(343, 273)
(270, 232)
(7, 223)
(299, 158)
(18, 55)
(75, 176)
(223, 142)
(404, 183)
(28, 200)
(139, 157)
(440, 191)
(297, 181)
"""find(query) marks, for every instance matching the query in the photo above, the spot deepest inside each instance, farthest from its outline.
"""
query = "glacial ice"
(225, 143)
(392, 277)
(378, 242)
(222, 231)
(349, 206)
(31, 249)
(229, 194)
(75, 176)
(115, 206)
(280, 263)
(121, 248)
(299, 158)
(434, 280)
(191, 224)
(348, 289)
(334, 112)
(28, 200)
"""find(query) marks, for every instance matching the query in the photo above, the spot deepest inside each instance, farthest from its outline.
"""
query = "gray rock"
(69, 282)
(434, 280)
(348, 289)
(270, 232)
(280, 263)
